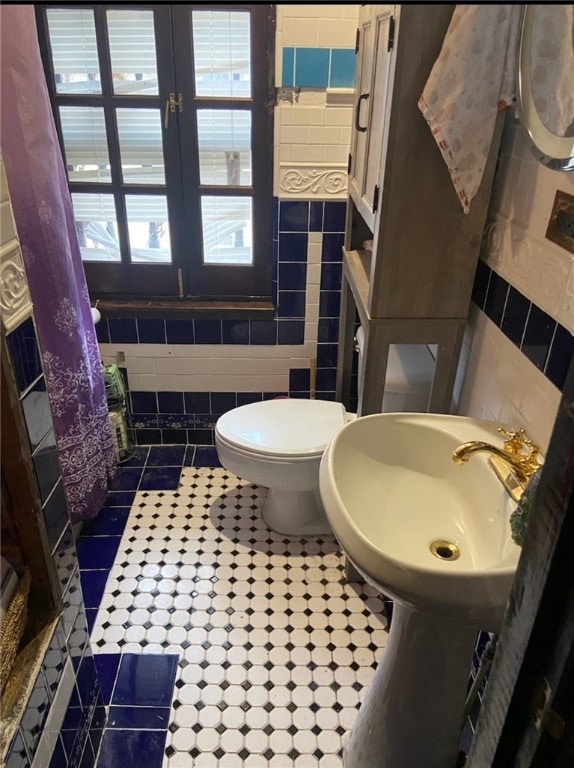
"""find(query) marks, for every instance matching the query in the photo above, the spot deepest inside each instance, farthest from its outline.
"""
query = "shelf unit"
(414, 286)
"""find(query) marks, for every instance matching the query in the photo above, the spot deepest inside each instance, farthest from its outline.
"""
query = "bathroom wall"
(64, 716)
(519, 341)
(178, 389)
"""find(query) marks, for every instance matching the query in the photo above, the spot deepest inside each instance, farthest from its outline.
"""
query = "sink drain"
(445, 550)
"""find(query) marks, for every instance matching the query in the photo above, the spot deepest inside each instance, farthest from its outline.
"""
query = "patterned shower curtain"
(52, 260)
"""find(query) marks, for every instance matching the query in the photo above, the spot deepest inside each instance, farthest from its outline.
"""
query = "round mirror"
(546, 83)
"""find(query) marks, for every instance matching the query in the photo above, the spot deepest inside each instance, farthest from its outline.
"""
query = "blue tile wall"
(77, 747)
(318, 67)
(546, 343)
(189, 418)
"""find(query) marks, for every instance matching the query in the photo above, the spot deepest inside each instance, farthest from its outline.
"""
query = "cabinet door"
(376, 28)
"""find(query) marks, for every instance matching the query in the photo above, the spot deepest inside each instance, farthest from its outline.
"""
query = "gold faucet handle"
(514, 440)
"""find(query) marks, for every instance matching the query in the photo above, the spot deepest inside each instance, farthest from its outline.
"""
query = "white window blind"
(74, 50)
(222, 53)
(132, 50)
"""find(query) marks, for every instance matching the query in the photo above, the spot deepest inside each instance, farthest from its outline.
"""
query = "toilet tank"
(410, 372)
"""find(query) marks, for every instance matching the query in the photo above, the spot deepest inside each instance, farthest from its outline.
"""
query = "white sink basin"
(390, 489)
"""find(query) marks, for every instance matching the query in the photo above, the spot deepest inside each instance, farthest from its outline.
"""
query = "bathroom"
(297, 708)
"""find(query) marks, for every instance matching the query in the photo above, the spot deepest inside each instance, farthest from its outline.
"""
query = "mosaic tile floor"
(275, 650)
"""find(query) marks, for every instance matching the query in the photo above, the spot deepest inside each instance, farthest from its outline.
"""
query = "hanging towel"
(473, 77)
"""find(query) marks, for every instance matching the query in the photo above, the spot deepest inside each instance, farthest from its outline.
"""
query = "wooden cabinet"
(414, 285)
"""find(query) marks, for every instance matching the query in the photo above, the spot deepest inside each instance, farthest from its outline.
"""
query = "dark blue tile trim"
(549, 345)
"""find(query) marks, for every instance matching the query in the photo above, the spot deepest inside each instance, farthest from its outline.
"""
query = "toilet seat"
(293, 429)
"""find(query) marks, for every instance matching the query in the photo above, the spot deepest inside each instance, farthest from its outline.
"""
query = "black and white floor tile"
(276, 650)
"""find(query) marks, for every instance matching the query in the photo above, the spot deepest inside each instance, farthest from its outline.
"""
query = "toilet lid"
(285, 426)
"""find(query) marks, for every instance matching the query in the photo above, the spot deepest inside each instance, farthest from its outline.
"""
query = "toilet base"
(295, 513)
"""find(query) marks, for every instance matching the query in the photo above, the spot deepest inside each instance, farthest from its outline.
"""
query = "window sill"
(186, 309)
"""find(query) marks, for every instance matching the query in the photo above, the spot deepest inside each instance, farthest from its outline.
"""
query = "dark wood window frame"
(187, 282)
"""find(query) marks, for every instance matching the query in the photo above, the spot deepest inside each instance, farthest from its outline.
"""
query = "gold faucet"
(514, 463)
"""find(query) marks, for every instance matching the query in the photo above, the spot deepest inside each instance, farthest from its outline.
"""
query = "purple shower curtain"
(45, 224)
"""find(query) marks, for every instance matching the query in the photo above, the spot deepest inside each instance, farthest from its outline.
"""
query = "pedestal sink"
(435, 536)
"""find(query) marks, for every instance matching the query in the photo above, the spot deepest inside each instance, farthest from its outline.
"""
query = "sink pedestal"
(412, 713)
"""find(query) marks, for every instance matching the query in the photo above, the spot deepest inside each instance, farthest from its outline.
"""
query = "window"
(165, 122)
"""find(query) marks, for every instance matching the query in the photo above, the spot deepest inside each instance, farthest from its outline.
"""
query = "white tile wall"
(500, 382)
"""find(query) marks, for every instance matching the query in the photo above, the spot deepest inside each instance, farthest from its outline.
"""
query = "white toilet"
(279, 444)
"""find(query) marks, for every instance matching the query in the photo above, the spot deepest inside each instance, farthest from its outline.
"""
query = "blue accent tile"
(46, 466)
(275, 216)
(107, 665)
(245, 398)
(326, 379)
(560, 357)
(144, 402)
(293, 246)
(103, 332)
(97, 552)
(332, 249)
(145, 680)
(221, 402)
(140, 718)
(24, 353)
(207, 331)
(328, 330)
(56, 515)
(189, 456)
(160, 478)
(59, 759)
(175, 421)
(199, 437)
(312, 67)
(275, 395)
(165, 455)
(329, 395)
(299, 380)
(329, 303)
(480, 286)
(293, 216)
(331, 276)
(137, 458)
(538, 335)
(151, 331)
(197, 402)
(179, 331)
(334, 217)
(144, 420)
(91, 616)
(123, 330)
(342, 72)
(93, 586)
(292, 276)
(87, 680)
(206, 457)
(327, 355)
(288, 67)
(290, 332)
(120, 498)
(170, 402)
(496, 298)
(128, 479)
(235, 331)
(121, 748)
(515, 315)
(174, 436)
(110, 521)
(37, 413)
(148, 436)
(292, 304)
(263, 332)
(316, 216)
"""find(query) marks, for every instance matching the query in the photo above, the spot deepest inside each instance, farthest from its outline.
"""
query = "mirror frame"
(554, 151)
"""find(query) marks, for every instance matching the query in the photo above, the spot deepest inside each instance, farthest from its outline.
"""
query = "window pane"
(148, 229)
(96, 226)
(227, 230)
(222, 53)
(132, 51)
(141, 146)
(224, 138)
(74, 50)
(85, 144)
